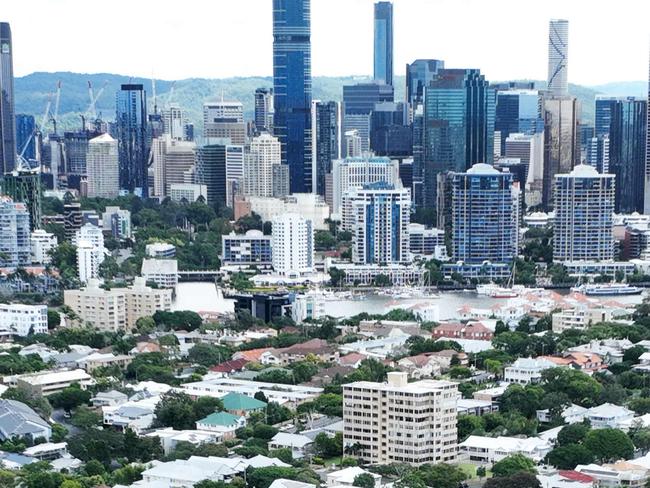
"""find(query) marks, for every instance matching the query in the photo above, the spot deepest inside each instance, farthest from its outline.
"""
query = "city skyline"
(596, 34)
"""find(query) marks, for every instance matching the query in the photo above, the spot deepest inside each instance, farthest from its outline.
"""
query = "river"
(205, 297)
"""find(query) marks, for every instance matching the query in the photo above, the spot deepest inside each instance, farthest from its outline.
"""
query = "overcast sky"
(506, 39)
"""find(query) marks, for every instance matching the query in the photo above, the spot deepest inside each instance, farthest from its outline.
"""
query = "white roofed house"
(488, 450)
(49, 382)
(19, 420)
(526, 370)
(299, 444)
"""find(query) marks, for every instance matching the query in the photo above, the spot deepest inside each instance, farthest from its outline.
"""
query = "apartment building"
(401, 422)
(22, 319)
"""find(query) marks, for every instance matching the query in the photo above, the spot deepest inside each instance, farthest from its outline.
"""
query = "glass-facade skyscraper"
(25, 142)
(292, 88)
(327, 141)
(211, 172)
(7, 107)
(418, 75)
(383, 61)
(517, 112)
(558, 56)
(458, 125)
(131, 132)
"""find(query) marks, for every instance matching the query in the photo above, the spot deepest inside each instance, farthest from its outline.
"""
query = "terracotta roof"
(252, 354)
(352, 358)
(315, 346)
(229, 366)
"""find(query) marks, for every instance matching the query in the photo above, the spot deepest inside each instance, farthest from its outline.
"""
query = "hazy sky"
(506, 39)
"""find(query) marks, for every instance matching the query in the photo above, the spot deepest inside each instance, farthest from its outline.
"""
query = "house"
(492, 394)
(13, 461)
(420, 366)
(242, 405)
(488, 450)
(144, 348)
(283, 483)
(584, 361)
(47, 451)
(468, 406)
(573, 414)
(608, 415)
(566, 479)
(229, 367)
(299, 444)
(223, 423)
(353, 359)
(50, 382)
(471, 330)
(169, 438)
(526, 370)
(252, 355)
(345, 477)
(445, 357)
(137, 414)
(326, 376)
(611, 350)
(314, 347)
(377, 348)
(109, 399)
(19, 420)
(622, 473)
(98, 360)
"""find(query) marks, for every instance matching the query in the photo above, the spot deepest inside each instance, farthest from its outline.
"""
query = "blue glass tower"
(418, 75)
(458, 125)
(517, 111)
(383, 65)
(292, 88)
(25, 143)
(131, 132)
(7, 107)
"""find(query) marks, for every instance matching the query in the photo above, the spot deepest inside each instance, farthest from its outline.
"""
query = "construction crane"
(171, 94)
(91, 112)
(41, 127)
(55, 116)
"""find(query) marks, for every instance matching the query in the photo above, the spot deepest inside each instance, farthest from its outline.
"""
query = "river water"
(205, 297)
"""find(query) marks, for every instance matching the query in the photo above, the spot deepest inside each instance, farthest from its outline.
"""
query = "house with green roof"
(222, 422)
(242, 405)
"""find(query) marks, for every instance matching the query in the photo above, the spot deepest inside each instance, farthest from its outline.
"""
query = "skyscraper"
(293, 244)
(211, 172)
(131, 131)
(25, 140)
(627, 151)
(558, 56)
(517, 111)
(14, 234)
(24, 186)
(383, 61)
(561, 145)
(418, 75)
(358, 103)
(646, 206)
(380, 215)
(264, 110)
(173, 122)
(292, 88)
(584, 208)
(7, 107)
(484, 214)
(263, 155)
(390, 132)
(224, 119)
(102, 164)
(458, 123)
(326, 144)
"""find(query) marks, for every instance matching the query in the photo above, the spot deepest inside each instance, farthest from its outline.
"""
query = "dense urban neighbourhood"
(440, 285)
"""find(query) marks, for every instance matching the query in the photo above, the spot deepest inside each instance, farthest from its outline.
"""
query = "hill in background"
(33, 91)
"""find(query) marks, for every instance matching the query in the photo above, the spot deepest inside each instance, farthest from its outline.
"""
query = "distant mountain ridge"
(33, 91)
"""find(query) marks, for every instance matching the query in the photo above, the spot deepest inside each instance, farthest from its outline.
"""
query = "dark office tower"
(517, 111)
(458, 125)
(264, 110)
(418, 75)
(646, 205)
(7, 107)
(25, 136)
(211, 172)
(383, 65)
(604, 108)
(25, 186)
(76, 148)
(390, 132)
(417, 128)
(327, 140)
(627, 139)
(358, 103)
(131, 133)
(561, 142)
(292, 88)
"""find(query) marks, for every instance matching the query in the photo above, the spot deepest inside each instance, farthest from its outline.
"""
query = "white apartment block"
(401, 422)
(309, 205)
(526, 370)
(22, 319)
(89, 258)
(41, 243)
(50, 382)
(117, 221)
(264, 153)
(179, 160)
(188, 192)
(103, 167)
(90, 233)
(580, 318)
(293, 245)
(163, 272)
(356, 172)
(118, 308)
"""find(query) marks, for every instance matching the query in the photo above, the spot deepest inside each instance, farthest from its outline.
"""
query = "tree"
(364, 480)
(328, 447)
(641, 406)
(145, 325)
(468, 424)
(69, 398)
(71, 484)
(569, 456)
(208, 355)
(609, 445)
(175, 410)
(519, 480)
(337, 277)
(513, 464)
(263, 477)
(580, 388)
(382, 280)
(85, 418)
(53, 319)
(572, 434)
(94, 468)
(523, 399)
